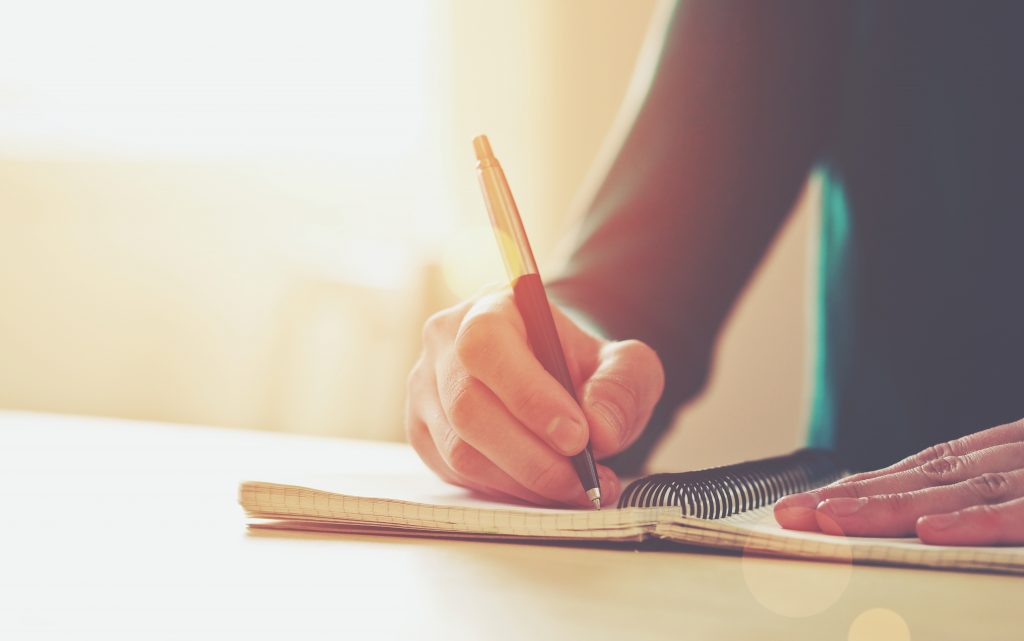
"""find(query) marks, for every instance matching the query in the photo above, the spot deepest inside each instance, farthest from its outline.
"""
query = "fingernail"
(565, 434)
(940, 521)
(796, 511)
(843, 506)
(804, 500)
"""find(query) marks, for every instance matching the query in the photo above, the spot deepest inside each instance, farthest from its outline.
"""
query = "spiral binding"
(718, 492)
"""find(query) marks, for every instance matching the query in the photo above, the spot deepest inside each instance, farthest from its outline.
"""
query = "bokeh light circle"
(879, 624)
(788, 587)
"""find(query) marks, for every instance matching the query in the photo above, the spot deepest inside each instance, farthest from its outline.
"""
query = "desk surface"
(132, 530)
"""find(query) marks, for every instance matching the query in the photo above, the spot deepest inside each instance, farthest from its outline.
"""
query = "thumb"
(620, 395)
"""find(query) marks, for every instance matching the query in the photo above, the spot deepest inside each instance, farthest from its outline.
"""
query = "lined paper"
(280, 506)
(290, 502)
(757, 532)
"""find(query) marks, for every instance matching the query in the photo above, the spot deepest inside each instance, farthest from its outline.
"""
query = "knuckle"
(414, 429)
(937, 451)
(414, 426)
(529, 399)
(941, 450)
(475, 342)
(549, 479)
(441, 325)
(990, 487)
(855, 490)
(412, 380)
(897, 502)
(432, 326)
(943, 470)
(460, 456)
(853, 478)
(464, 402)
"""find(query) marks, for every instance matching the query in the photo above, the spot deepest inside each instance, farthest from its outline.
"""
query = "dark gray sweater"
(913, 111)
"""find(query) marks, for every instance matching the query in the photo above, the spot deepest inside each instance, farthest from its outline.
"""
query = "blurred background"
(240, 213)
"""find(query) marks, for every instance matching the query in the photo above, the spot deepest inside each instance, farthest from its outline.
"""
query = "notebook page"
(467, 514)
(442, 510)
(757, 532)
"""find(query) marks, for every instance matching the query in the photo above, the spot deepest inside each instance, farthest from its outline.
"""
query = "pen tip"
(482, 148)
(596, 502)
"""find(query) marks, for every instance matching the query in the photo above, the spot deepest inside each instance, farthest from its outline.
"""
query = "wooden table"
(128, 530)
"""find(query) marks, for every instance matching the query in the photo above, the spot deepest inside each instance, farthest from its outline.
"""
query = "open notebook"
(726, 508)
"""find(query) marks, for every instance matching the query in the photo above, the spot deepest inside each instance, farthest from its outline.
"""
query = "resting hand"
(482, 412)
(965, 492)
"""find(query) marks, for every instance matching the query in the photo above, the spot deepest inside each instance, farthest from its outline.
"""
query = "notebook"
(727, 508)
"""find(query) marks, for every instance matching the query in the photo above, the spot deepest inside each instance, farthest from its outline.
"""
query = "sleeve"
(733, 121)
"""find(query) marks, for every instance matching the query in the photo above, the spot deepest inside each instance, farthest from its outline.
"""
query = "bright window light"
(216, 77)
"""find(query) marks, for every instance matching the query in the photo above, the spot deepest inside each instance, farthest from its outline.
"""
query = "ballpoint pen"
(528, 292)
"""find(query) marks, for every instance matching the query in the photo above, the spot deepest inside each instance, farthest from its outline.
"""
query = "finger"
(798, 511)
(1008, 433)
(620, 395)
(441, 327)
(425, 420)
(480, 421)
(421, 441)
(474, 471)
(491, 346)
(419, 438)
(897, 514)
(1000, 524)
(419, 383)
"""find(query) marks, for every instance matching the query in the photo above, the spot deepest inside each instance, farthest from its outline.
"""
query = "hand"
(965, 492)
(483, 413)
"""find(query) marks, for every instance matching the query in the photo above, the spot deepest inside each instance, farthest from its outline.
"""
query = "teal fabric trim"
(833, 271)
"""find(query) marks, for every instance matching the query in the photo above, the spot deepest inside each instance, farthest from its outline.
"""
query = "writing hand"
(483, 413)
(969, 491)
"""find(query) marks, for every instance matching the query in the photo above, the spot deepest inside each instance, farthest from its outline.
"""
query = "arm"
(735, 117)
(731, 125)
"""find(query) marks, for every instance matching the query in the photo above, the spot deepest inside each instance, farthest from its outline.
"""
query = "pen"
(528, 292)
